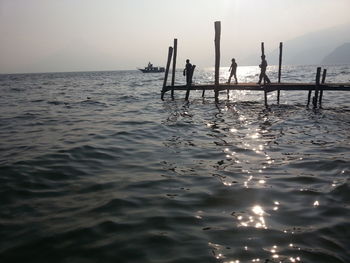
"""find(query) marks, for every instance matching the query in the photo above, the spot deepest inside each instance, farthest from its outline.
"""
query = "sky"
(88, 35)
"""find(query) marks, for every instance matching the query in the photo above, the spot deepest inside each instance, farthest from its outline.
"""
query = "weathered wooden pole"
(262, 49)
(170, 54)
(217, 26)
(317, 87)
(321, 91)
(309, 95)
(280, 63)
(174, 68)
(265, 91)
(279, 71)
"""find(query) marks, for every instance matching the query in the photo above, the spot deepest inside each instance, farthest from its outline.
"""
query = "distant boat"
(151, 69)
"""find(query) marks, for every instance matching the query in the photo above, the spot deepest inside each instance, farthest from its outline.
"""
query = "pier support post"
(309, 97)
(321, 91)
(170, 54)
(174, 69)
(265, 91)
(279, 72)
(309, 94)
(217, 26)
(317, 87)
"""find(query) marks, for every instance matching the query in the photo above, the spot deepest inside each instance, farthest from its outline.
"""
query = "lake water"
(94, 167)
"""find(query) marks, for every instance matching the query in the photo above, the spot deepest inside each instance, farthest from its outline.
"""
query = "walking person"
(263, 67)
(233, 70)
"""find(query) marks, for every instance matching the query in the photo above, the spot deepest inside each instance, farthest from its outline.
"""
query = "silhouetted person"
(263, 67)
(188, 72)
(233, 69)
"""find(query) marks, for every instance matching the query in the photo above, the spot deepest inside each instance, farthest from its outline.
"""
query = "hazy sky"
(78, 35)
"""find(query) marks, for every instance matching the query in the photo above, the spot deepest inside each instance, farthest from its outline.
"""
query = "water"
(96, 168)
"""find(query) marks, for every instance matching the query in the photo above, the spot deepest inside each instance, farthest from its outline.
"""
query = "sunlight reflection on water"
(170, 181)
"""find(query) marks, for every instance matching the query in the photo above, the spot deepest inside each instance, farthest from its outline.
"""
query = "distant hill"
(341, 55)
(309, 49)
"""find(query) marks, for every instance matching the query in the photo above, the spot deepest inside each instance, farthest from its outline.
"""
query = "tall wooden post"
(217, 26)
(280, 63)
(265, 91)
(309, 95)
(174, 69)
(317, 86)
(279, 72)
(321, 91)
(170, 54)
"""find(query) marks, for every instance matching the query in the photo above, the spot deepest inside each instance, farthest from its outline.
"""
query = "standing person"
(263, 67)
(233, 69)
(188, 71)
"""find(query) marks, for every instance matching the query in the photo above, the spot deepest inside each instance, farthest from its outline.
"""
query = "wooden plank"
(269, 88)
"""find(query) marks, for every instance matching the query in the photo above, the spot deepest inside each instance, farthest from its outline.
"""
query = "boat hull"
(159, 70)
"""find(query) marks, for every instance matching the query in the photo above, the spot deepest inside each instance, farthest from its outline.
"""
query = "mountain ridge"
(340, 55)
(308, 49)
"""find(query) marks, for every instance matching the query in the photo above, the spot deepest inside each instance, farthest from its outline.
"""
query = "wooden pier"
(318, 86)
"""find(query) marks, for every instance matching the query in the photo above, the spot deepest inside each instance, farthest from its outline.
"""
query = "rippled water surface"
(94, 167)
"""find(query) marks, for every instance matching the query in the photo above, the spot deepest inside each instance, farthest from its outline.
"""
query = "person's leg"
(235, 78)
(260, 77)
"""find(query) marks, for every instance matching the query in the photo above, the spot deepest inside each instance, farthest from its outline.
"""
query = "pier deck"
(318, 86)
(268, 87)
